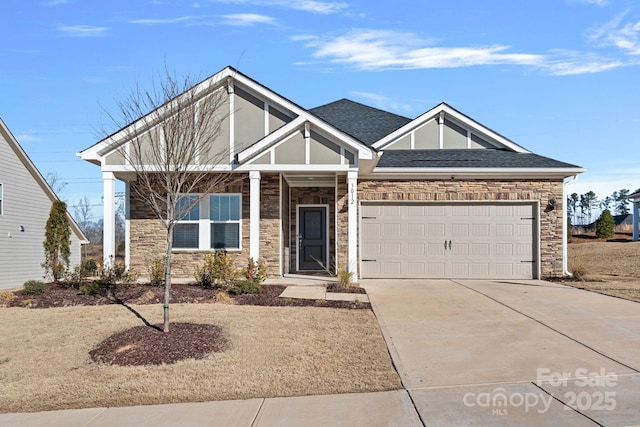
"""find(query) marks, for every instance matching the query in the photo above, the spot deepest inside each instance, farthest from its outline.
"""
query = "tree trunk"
(167, 276)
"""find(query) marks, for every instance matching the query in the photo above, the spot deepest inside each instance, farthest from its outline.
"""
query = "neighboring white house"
(635, 200)
(25, 202)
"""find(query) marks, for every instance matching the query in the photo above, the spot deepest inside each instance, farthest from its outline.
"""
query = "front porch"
(298, 223)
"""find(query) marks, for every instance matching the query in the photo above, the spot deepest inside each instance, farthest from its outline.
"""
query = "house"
(345, 185)
(25, 202)
(635, 210)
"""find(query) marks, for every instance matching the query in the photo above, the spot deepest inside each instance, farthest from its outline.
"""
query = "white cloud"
(383, 102)
(312, 6)
(595, 2)
(26, 137)
(246, 19)
(624, 36)
(378, 49)
(166, 21)
(82, 30)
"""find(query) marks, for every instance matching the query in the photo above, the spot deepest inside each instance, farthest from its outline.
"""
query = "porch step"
(320, 293)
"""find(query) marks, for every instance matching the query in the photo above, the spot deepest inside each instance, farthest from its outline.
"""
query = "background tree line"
(583, 209)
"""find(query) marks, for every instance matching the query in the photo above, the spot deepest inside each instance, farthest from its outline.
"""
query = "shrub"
(245, 287)
(76, 277)
(112, 275)
(90, 267)
(255, 271)
(156, 272)
(217, 271)
(57, 242)
(344, 278)
(605, 225)
(91, 288)
(33, 287)
(579, 271)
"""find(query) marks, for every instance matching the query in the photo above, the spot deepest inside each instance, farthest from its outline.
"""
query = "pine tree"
(605, 225)
(57, 242)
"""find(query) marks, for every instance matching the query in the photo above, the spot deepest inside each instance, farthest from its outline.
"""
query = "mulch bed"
(149, 345)
(140, 294)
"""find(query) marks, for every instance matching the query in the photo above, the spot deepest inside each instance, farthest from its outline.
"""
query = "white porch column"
(109, 225)
(127, 226)
(254, 214)
(352, 191)
(636, 211)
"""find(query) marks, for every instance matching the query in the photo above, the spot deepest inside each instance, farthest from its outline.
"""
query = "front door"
(312, 238)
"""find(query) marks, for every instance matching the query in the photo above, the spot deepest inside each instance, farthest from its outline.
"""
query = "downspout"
(565, 251)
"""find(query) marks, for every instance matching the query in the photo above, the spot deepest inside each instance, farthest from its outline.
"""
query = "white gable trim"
(455, 116)
(302, 123)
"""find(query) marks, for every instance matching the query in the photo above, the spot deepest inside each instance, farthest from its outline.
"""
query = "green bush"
(216, 271)
(33, 287)
(113, 275)
(605, 225)
(255, 271)
(156, 272)
(90, 267)
(245, 287)
(91, 288)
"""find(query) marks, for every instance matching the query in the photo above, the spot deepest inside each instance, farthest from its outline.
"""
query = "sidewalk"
(389, 408)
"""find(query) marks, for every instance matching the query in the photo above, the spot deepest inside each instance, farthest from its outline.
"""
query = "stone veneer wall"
(148, 237)
(483, 190)
(269, 222)
(311, 196)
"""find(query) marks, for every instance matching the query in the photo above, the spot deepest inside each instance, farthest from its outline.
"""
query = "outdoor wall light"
(551, 205)
(22, 228)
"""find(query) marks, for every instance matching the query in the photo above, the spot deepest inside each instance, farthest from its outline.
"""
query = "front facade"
(349, 186)
(25, 203)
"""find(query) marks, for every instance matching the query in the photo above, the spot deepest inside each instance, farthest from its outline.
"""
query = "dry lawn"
(274, 351)
(610, 268)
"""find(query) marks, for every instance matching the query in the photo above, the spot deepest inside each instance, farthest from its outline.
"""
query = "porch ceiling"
(310, 180)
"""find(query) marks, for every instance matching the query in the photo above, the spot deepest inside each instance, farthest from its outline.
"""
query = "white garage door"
(488, 241)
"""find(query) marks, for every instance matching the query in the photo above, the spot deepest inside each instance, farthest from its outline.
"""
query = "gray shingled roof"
(472, 158)
(366, 124)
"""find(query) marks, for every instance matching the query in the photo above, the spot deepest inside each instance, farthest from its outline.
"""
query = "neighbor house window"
(186, 231)
(0, 199)
(208, 222)
(224, 213)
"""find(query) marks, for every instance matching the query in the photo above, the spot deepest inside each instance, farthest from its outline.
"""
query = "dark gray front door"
(312, 238)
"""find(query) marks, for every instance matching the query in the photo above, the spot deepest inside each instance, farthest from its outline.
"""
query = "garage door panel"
(448, 240)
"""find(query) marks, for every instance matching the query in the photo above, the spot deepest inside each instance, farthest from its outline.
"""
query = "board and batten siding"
(24, 203)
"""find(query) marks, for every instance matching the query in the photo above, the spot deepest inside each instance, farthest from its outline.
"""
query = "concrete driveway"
(512, 352)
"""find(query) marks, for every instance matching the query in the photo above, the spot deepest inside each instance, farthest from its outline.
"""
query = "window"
(0, 199)
(212, 225)
(186, 231)
(224, 212)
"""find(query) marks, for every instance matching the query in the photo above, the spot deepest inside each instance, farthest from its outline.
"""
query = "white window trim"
(204, 224)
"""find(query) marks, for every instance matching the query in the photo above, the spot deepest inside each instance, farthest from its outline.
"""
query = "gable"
(300, 144)
(444, 128)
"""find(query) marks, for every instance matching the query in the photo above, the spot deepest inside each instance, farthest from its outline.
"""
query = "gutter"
(565, 250)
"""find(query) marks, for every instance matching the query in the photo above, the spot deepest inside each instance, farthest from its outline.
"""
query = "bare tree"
(82, 213)
(168, 139)
(56, 183)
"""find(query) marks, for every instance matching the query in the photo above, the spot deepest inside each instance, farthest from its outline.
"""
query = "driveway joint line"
(94, 417)
(548, 326)
(255, 418)
(557, 399)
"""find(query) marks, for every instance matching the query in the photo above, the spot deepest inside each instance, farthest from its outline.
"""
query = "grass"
(274, 351)
(610, 268)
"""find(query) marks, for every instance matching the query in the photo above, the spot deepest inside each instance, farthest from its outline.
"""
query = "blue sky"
(559, 77)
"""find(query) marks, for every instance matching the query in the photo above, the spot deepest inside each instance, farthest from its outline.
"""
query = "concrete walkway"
(391, 408)
(512, 353)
